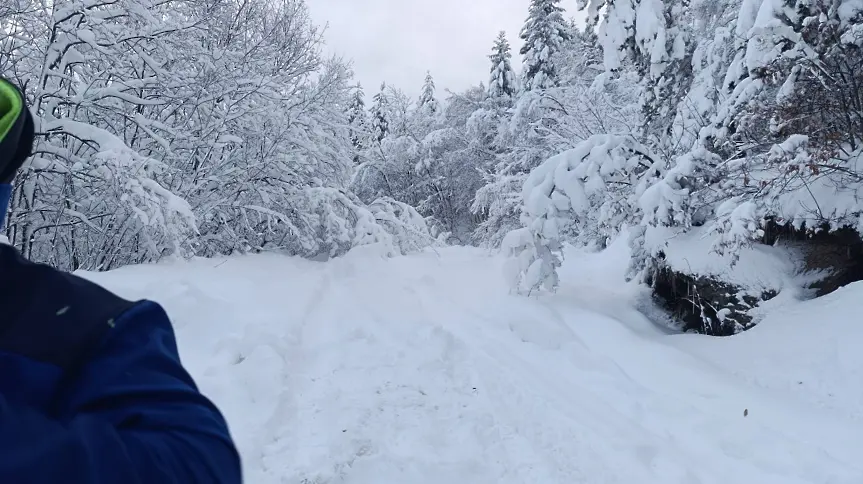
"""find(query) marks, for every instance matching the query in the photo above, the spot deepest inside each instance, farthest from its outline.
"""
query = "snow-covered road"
(423, 369)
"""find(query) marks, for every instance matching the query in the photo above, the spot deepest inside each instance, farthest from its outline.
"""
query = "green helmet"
(16, 131)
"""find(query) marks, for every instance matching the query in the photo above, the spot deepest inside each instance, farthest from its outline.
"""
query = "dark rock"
(714, 307)
(702, 304)
(837, 254)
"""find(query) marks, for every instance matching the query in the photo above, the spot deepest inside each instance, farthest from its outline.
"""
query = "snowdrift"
(807, 350)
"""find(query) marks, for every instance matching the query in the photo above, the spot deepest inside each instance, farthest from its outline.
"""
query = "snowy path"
(423, 369)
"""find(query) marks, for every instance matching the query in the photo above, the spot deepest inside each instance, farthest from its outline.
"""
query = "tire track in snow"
(422, 398)
(564, 432)
(510, 398)
(280, 450)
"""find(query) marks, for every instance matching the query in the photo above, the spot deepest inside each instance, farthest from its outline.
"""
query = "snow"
(650, 34)
(827, 379)
(424, 369)
(768, 33)
(614, 31)
(746, 19)
(849, 9)
(759, 267)
(827, 198)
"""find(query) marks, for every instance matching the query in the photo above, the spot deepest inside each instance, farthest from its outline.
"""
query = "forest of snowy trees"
(701, 130)
(185, 127)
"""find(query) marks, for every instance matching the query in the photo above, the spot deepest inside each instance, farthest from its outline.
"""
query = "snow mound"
(758, 267)
(808, 350)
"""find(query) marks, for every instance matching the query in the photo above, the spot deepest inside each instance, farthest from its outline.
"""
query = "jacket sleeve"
(138, 418)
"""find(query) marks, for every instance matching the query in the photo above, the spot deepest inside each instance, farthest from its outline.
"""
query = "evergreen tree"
(502, 80)
(358, 121)
(655, 39)
(380, 120)
(544, 33)
(427, 100)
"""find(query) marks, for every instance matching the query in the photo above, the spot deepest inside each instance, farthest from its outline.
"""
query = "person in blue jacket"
(92, 390)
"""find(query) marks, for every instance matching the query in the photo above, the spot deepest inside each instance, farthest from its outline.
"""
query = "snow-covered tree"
(587, 194)
(535, 125)
(180, 127)
(380, 116)
(427, 113)
(580, 61)
(502, 81)
(427, 102)
(358, 121)
(431, 161)
(791, 124)
(654, 38)
(543, 33)
(97, 192)
(399, 111)
(747, 124)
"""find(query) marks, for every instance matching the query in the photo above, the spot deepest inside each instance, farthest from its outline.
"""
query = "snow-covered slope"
(423, 369)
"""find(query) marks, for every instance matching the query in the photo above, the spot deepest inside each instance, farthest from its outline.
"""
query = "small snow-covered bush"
(343, 222)
(534, 263)
(586, 194)
(408, 229)
(331, 222)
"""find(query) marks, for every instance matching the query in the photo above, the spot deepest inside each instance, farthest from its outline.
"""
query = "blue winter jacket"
(92, 390)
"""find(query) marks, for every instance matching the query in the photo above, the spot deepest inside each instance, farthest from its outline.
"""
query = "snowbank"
(807, 350)
(759, 267)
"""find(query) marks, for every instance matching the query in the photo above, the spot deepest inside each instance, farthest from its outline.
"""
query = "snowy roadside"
(424, 369)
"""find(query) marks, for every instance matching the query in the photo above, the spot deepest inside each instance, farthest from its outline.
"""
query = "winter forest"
(722, 138)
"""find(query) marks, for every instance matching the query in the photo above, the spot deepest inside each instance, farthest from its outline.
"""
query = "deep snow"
(424, 369)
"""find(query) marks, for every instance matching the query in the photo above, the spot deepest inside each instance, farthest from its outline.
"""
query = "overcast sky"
(397, 41)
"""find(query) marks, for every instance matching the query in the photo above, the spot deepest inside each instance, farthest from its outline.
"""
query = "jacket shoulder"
(49, 315)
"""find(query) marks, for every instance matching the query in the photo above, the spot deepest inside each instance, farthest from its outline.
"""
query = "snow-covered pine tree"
(502, 81)
(380, 116)
(358, 121)
(653, 37)
(580, 61)
(537, 124)
(387, 169)
(543, 33)
(427, 102)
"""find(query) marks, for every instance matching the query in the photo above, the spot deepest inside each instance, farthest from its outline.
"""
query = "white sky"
(397, 41)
